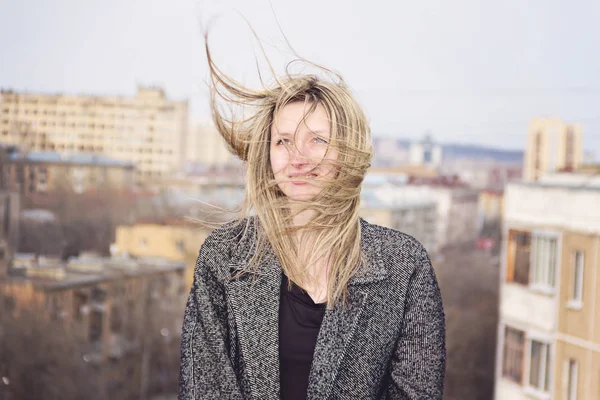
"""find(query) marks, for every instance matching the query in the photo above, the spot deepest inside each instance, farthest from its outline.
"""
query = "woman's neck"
(303, 218)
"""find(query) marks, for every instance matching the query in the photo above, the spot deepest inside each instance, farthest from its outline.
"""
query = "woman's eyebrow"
(321, 132)
(283, 133)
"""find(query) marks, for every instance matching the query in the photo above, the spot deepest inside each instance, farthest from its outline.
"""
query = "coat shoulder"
(222, 243)
(400, 253)
(394, 241)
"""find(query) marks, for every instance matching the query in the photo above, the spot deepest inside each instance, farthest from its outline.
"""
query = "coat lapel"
(341, 322)
(336, 332)
(254, 300)
(255, 305)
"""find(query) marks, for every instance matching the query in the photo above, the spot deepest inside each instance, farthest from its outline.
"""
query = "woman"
(304, 299)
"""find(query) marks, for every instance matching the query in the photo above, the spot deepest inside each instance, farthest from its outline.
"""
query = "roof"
(82, 158)
(565, 180)
(85, 271)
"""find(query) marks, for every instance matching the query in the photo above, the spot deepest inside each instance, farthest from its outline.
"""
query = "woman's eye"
(283, 141)
(320, 140)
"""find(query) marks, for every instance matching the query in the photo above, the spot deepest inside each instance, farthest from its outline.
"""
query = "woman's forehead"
(299, 116)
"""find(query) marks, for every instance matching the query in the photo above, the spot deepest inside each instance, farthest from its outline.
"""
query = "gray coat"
(388, 343)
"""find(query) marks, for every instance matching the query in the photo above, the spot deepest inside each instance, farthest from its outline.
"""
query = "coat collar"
(254, 303)
(371, 270)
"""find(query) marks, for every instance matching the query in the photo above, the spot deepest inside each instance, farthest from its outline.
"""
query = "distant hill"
(452, 151)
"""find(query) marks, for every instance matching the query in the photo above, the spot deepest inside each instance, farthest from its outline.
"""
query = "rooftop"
(55, 274)
(566, 180)
(81, 158)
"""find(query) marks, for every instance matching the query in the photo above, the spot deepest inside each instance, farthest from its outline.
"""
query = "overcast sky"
(468, 71)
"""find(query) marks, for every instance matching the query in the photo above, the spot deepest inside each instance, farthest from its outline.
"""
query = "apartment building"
(549, 329)
(174, 240)
(552, 146)
(45, 171)
(456, 220)
(416, 217)
(148, 129)
(123, 316)
(206, 148)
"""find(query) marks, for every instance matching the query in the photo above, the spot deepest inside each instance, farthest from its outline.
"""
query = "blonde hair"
(333, 235)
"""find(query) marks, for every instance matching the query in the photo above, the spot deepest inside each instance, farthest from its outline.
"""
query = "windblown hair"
(333, 236)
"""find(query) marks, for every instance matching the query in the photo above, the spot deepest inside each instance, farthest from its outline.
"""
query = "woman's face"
(301, 159)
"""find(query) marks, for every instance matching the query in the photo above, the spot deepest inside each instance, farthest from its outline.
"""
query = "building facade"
(206, 148)
(552, 146)
(416, 219)
(175, 241)
(121, 316)
(41, 172)
(548, 333)
(147, 130)
(456, 205)
(425, 152)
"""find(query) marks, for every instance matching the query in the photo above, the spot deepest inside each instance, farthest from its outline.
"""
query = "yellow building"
(549, 329)
(175, 241)
(206, 147)
(552, 146)
(148, 130)
(491, 209)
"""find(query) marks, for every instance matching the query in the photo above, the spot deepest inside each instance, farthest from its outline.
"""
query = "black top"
(299, 323)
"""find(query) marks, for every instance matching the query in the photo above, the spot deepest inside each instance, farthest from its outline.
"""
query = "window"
(570, 150)
(95, 332)
(519, 245)
(512, 359)
(539, 366)
(577, 279)
(544, 261)
(79, 301)
(572, 370)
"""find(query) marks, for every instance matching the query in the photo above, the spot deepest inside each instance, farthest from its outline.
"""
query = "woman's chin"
(301, 192)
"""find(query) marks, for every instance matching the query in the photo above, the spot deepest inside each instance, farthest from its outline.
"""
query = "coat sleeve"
(419, 362)
(206, 371)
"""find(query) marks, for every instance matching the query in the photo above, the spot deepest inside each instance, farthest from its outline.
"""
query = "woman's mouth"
(302, 179)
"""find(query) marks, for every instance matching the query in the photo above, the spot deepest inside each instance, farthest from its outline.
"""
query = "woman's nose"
(298, 154)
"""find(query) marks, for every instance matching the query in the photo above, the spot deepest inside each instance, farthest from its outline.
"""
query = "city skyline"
(465, 72)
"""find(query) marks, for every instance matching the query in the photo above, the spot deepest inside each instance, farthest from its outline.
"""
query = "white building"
(456, 208)
(416, 217)
(425, 152)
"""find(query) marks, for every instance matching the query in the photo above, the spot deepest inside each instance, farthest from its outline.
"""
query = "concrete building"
(10, 210)
(491, 208)
(484, 174)
(548, 333)
(172, 240)
(148, 129)
(206, 148)
(456, 205)
(114, 310)
(416, 217)
(552, 145)
(45, 171)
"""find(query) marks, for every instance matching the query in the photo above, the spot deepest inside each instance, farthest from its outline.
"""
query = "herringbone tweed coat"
(388, 343)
